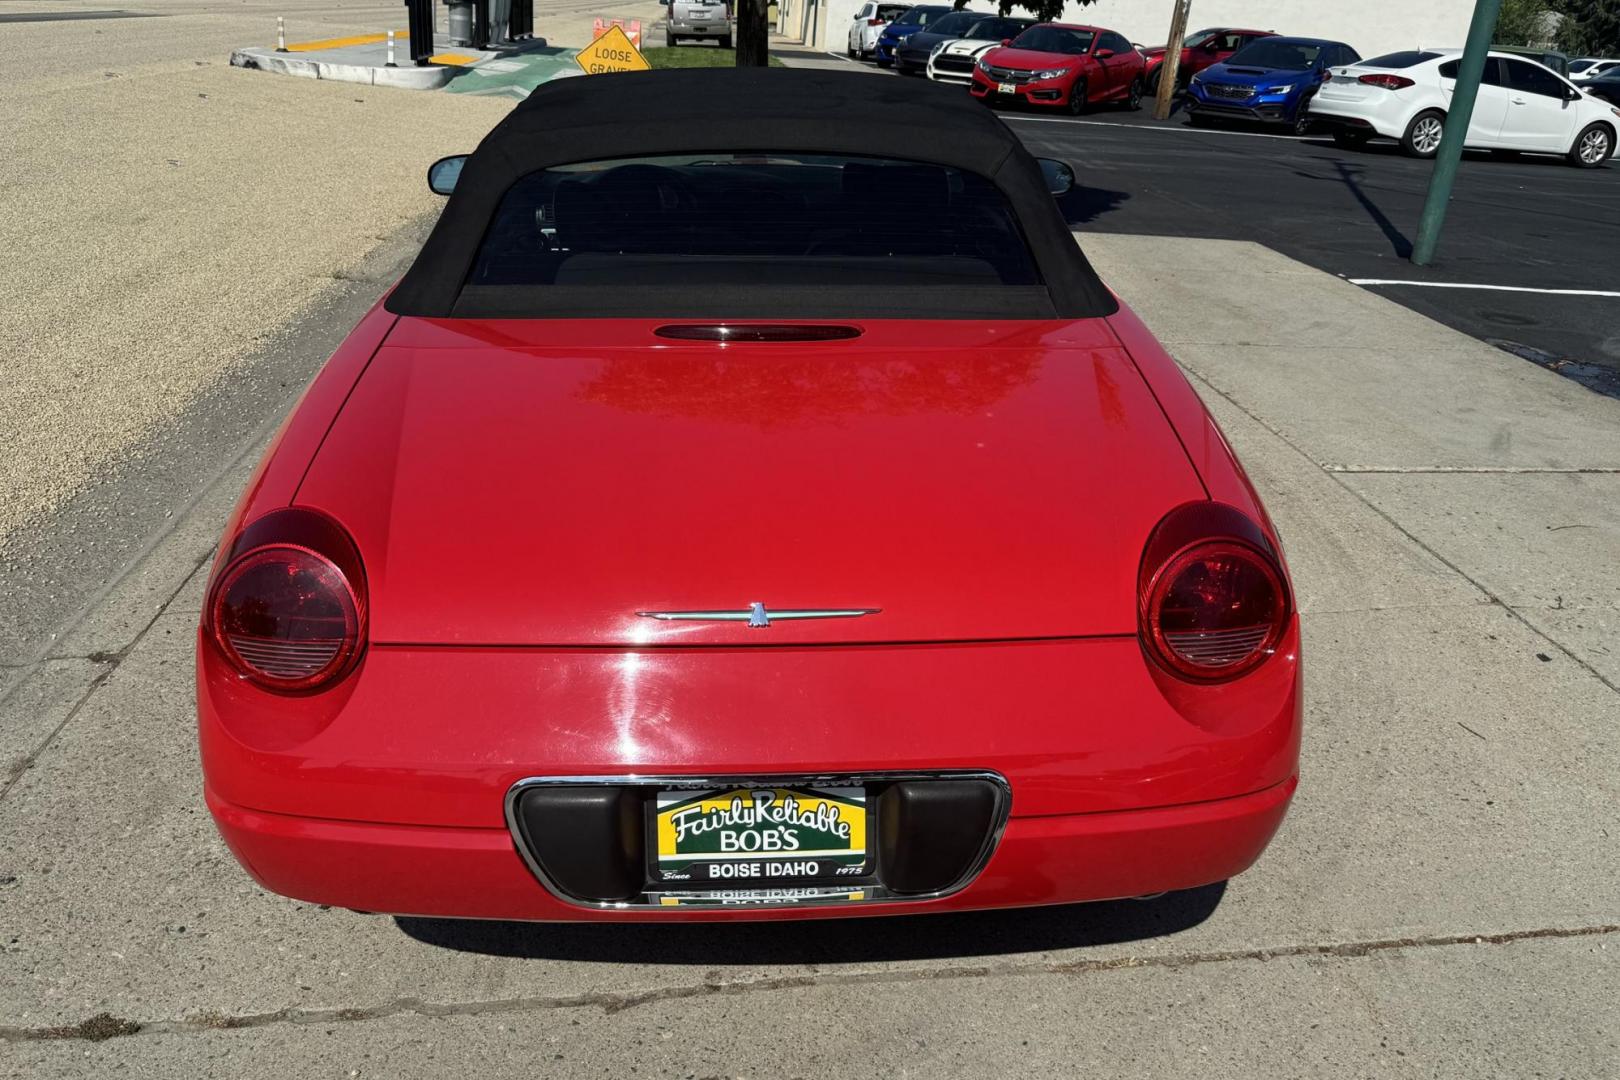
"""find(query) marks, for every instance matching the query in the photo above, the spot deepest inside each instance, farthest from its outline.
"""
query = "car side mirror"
(1059, 177)
(1103, 54)
(443, 174)
(1571, 94)
(1006, 41)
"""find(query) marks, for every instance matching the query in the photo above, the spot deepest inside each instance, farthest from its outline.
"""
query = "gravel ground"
(163, 213)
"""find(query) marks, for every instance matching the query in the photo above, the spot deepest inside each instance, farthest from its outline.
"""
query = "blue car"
(1271, 80)
(912, 21)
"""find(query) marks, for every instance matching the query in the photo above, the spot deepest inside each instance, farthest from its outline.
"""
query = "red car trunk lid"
(542, 483)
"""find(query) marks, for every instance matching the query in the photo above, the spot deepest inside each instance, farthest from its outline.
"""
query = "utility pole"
(1458, 118)
(1169, 70)
(753, 36)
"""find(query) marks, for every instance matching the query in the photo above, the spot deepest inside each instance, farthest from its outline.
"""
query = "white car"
(1521, 106)
(953, 60)
(1590, 67)
(867, 23)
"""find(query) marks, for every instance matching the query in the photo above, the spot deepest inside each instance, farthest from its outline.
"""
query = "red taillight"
(289, 612)
(874, 22)
(1214, 603)
(1388, 82)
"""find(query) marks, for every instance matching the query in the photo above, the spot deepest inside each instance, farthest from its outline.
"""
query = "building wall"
(1370, 26)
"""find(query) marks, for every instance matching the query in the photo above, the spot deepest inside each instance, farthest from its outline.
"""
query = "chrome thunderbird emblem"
(756, 615)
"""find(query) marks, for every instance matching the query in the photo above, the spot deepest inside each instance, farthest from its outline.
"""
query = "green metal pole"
(1458, 117)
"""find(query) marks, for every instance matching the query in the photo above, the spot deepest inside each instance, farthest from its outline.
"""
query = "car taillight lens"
(286, 614)
(874, 22)
(1214, 602)
(1388, 82)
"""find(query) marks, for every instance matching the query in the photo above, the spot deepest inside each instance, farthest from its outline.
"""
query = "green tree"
(1043, 10)
(1522, 22)
(1590, 27)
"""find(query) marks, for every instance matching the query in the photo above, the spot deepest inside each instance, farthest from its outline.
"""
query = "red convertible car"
(1059, 66)
(679, 539)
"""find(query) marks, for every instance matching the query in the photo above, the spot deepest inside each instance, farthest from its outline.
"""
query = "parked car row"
(1591, 67)
(1228, 74)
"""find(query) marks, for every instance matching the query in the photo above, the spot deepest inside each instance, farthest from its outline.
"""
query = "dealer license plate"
(745, 837)
(1006, 88)
(804, 894)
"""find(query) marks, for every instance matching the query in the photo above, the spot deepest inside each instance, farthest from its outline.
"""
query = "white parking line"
(1490, 288)
(1145, 127)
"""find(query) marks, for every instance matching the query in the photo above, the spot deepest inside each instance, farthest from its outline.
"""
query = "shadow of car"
(918, 937)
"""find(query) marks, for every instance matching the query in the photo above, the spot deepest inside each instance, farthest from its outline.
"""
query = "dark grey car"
(911, 57)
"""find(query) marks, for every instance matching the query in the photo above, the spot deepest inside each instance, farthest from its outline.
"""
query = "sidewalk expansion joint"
(1470, 470)
(1339, 478)
(111, 660)
(106, 1026)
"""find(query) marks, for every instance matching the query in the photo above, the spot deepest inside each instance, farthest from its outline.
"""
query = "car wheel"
(882, 63)
(1423, 134)
(1351, 140)
(1303, 121)
(1153, 81)
(1134, 99)
(1593, 146)
(670, 40)
(725, 42)
(1077, 97)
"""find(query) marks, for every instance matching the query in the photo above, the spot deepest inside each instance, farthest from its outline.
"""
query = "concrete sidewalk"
(1443, 901)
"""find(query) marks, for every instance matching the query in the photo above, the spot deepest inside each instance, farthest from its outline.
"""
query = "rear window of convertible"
(725, 220)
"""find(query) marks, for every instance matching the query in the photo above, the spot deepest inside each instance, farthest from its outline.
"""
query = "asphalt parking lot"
(1531, 224)
(1442, 901)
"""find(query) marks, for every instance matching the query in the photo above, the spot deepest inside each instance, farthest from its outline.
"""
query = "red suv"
(1063, 66)
(1201, 50)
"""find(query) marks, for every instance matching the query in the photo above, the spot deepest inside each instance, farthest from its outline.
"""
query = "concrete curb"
(406, 77)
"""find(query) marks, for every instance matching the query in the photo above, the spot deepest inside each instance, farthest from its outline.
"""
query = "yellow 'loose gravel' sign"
(611, 52)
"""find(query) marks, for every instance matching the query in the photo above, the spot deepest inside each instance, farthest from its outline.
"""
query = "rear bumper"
(478, 872)
(708, 28)
(388, 792)
(1390, 120)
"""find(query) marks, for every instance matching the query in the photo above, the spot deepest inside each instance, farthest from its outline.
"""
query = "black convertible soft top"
(605, 117)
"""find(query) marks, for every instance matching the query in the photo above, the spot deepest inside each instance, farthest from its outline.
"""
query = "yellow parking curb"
(338, 43)
(454, 59)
